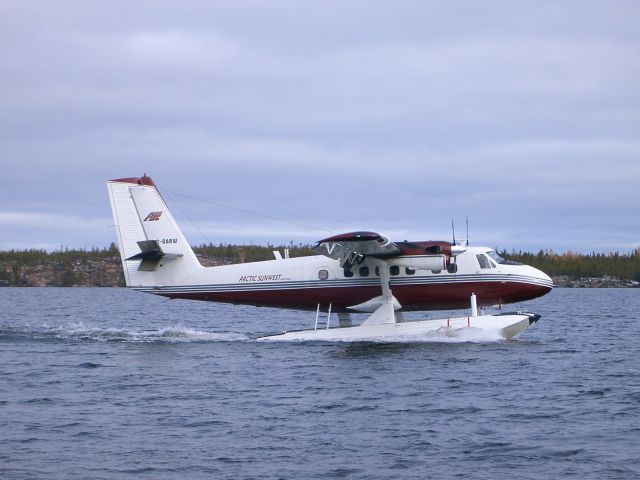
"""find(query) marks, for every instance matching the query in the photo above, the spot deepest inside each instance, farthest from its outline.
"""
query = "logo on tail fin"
(153, 216)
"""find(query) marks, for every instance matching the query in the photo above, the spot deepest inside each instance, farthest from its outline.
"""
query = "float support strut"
(474, 305)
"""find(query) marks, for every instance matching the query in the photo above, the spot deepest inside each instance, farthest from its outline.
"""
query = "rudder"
(153, 250)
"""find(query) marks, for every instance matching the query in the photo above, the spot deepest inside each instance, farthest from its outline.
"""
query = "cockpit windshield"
(494, 255)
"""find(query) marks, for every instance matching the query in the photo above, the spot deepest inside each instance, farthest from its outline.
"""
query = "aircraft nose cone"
(543, 281)
(546, 279)
(540, 283)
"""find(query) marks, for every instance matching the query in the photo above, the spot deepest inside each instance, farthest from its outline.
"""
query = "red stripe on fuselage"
(440, 296)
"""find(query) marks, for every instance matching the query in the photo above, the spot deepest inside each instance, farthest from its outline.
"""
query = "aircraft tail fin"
(153, 250)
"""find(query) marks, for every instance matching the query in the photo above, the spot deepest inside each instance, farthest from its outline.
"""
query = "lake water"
(111, 384)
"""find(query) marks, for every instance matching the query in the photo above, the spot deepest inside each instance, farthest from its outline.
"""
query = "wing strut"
(387, 307)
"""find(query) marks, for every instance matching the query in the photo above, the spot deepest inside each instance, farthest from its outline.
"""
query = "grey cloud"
(394, 116)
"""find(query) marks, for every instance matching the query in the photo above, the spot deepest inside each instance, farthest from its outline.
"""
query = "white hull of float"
(506, 325)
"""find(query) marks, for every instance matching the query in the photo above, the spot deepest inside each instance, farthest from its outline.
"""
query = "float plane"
(353, 272)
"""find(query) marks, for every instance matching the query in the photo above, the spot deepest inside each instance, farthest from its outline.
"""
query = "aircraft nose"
(544, 279)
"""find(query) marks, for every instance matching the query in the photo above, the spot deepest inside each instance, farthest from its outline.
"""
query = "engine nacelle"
(420, 262)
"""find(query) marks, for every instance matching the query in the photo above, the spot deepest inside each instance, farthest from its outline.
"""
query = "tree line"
(624, 266)
(101, 266)
(250, 253)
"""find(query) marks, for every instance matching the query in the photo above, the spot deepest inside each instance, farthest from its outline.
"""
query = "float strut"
(474, 305)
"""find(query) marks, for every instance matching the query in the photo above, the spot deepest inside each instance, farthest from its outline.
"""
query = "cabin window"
(436, 271)
(363, 271)
(395, 270)
(409, 271)
(323, 274)
(453, 268)
(348, 273)
(377, 270)
(483, 261)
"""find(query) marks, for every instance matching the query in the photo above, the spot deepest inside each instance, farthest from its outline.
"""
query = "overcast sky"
(391, 116)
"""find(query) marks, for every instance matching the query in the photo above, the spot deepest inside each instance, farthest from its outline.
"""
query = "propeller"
(453, 266)
(457, 248)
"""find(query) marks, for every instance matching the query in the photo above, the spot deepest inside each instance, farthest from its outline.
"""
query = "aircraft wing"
(352, 248)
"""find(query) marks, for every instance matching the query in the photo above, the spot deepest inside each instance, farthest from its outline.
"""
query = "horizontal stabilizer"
(151, 253)
(150, 249)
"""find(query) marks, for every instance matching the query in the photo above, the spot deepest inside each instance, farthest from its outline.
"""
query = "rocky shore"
(108, 273)
(564, 281)
(90, 273)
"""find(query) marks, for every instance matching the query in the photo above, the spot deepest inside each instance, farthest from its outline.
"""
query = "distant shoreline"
(103, 268)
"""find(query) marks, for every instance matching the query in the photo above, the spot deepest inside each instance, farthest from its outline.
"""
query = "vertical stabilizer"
(153, 250)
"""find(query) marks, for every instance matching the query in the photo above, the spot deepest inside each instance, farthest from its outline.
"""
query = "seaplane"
(356, 272)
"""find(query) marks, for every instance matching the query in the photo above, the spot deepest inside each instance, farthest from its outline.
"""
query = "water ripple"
(163, 390)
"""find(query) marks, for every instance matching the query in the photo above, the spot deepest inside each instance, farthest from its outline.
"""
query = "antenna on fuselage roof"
(467, 231)
(453, 231)
(453, 267)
